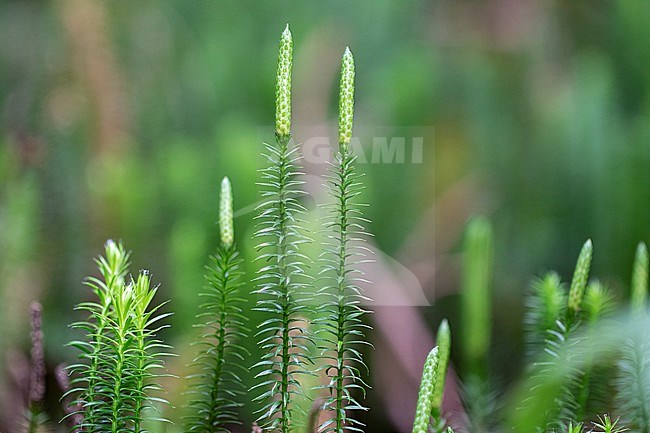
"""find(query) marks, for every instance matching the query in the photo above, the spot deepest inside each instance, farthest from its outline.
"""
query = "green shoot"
(282, 335)
(216, 387)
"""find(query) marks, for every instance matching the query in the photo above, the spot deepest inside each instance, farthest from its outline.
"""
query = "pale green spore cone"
(346, 100)
(226, 225)
(476, 297)
(283, 86)
(425, 396)
(640, 278)
(443, 339)
(580, 277)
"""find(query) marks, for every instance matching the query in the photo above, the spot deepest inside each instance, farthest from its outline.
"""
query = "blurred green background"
(120, 118)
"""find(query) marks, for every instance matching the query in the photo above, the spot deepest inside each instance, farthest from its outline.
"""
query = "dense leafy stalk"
(342, 318)
(216, 387)
(121, 355)
(633, 379)
(89, 386)
(282, 335)
(545, 305)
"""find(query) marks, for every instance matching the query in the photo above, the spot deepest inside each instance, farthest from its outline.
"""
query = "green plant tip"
(425, 397)
(580, 276)
(283, 86)
(640, 278)
(226, 225)
(346, 100)
(444, 350)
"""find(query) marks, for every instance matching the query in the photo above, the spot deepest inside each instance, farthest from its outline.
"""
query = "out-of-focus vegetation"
(120, 118)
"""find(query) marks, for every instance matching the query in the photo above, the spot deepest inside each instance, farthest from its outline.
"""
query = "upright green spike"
(444, 348)
(476, 297)
(283, 86)
(226, 226)
(425, 396)
(640, 278)
(341, 317)
(346, 100)
(215, 388)
(580, 277)
(282, 335)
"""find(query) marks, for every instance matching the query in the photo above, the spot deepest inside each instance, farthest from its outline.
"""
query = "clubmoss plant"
(282, 335)
(120, 356)
(342, 314)
(218, 386)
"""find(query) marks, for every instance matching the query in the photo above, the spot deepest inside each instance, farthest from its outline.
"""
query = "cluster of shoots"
(112, 385)
(285, 336)
(583, 366)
